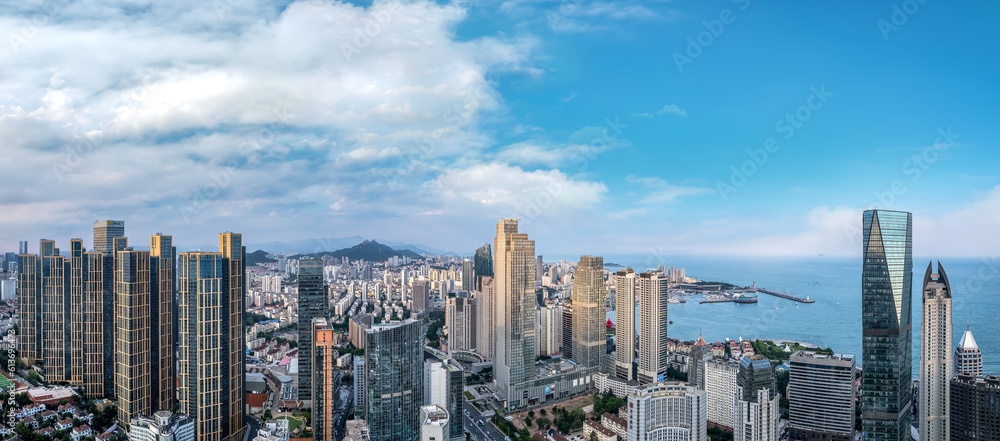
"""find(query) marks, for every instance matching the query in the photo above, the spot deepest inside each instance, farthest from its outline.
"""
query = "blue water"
(835, 284)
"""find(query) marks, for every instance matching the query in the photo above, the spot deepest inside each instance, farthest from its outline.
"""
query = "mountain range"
(321, 245)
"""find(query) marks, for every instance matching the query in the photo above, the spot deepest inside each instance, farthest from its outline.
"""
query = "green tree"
(542, 411)
(22, 399)
(543, 423)
(593, 436)
(531, 414)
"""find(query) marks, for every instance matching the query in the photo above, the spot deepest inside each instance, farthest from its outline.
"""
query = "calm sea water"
(835, 284)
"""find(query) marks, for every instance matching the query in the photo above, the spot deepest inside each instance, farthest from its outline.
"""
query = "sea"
(834, 320)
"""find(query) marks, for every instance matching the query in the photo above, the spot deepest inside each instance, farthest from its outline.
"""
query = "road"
(486, 432)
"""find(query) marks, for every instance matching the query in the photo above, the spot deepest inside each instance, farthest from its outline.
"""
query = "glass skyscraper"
(886, 291)
(394, 377)
(313, 303)
(482, 264)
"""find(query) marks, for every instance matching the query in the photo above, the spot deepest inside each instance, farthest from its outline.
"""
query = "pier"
(785, 296)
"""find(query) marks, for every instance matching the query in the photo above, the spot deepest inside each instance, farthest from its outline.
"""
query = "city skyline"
(526, 119)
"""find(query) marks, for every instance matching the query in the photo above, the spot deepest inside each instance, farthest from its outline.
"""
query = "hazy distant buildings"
(653, 296)
(936, 368)
(974, 408)
(589, 313)
(313, 303)
(968, 358)
(667, 411)
(485, 316)
(211, 342)
(886, 292)
(22, 247)
(757, 413)
(625, 326)
(721, 390)
(394, 375)
(821, 397)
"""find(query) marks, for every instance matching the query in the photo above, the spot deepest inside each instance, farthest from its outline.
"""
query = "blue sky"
(424, 122)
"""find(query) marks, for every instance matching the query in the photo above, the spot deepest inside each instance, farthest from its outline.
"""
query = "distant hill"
(259, 256)
(369, 250)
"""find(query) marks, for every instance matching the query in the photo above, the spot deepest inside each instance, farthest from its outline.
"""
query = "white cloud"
(658, 191)
(672, 109)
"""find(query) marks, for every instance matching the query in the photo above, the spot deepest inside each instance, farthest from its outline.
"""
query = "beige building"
(625, 326)
(936, 362)
(589, 312)
(653, 295)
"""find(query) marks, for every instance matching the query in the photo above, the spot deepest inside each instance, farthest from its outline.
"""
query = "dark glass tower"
(483, 264)
(312, 304)
(886, 291)
(394, 377)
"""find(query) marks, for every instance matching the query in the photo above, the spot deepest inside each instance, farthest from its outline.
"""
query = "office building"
(975, 412)
(700, 353)
(821, 397)
(359, 385)
(653, 357)
(460, 320)
(421, 296)
(313, 303)
(721, 391)
(394, 378)
(757, 414)
(936, 362)
(325, 379)
(444, 386)
(514, 284)
(22, 247)
(625, 326)
(105, 232)
(161, 426)
(210, 342)
(968, 358)
(667, 411)
(589, 313)
(886, 294)
(483, 265)
(468, 276)
(434, 423)
(485, 315)
(567, 330)
(356, 329)
(550, 330)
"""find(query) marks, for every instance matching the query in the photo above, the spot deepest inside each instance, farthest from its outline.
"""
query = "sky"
(724, 127)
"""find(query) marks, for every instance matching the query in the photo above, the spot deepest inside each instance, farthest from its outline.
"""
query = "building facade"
(975, 408)
(514, 285)
(482, 265)
(313, 303)
(394, 378)
(886, 307)
(625, 328)
(968, 357)
(721, 391)
(667, 411)
(460, 320)
(821, 397)
(161, 426)
(701, 352)
(485, 315)
(653, 296)
(757, 413)
(936, 362)
(325, 379)
(589, 313)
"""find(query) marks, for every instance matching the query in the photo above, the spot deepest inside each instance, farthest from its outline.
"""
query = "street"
(486, 432)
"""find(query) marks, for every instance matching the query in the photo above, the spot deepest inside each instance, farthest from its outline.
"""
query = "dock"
(717, 301)
(785, 296)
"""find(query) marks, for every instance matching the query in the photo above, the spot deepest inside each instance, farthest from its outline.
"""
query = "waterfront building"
(485, 309)
(653, 296)
(667, 411)
(625, 328)
(936, 368)
(968, 358)
(721, 391)
(589, 313)
(757, 412)
(210, 341)
(821, 397)
(394, 377)
(975, 412)
(886, 296)
(162, 426)
(313, 303)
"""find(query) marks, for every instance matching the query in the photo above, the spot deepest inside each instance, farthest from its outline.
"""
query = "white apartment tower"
(936, 368)
(653, 295)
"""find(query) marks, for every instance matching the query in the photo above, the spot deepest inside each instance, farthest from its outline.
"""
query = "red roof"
(256, 400)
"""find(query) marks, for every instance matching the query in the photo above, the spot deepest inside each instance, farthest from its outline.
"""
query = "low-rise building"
(82, 432)
(603, 433)
(162, 426)
(616, 423)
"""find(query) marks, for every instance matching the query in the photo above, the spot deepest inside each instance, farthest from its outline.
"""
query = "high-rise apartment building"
(359, 386)
(886, 295)
(936, 363)
(589, 313)
(757, 414)
(211, 345)
(514, 284)
(313, 303)
(394, 377)
(721, 391)
(539, 270)
(974, 409)
(444, 386)
(483, 265)
(421, 296)
(550, 329)
(460, 319)
(105, 232)
(485, 315)
(701, 352)
(667, 411)
(968, 358)
(653, 357)
(468, 276)
(821, 397)
(325, 378)
(625, 326)
(567, 330)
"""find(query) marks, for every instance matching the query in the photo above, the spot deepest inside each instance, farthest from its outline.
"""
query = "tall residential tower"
(936, 368)
(589, 313)
(625, 326)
